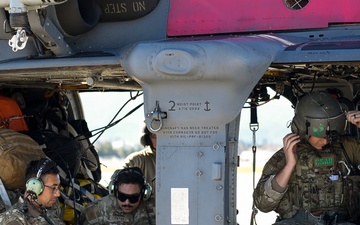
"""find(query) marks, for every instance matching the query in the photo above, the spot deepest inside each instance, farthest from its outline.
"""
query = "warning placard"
(190, 131)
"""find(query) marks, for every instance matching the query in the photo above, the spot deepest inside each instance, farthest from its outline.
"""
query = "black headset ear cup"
(112, 188)
(113, 181)
(35, 186)
(147, 192)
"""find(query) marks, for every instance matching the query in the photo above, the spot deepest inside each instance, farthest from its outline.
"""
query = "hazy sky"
(101, 107)
(273, 117)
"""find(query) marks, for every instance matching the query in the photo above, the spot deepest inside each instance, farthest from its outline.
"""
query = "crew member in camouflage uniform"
(130, 201)
(310, 180)
(146, 158)
(39, 205)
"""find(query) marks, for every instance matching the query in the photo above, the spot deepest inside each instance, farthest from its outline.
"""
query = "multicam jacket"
(107, 211)
(25, 213)
(320, 181)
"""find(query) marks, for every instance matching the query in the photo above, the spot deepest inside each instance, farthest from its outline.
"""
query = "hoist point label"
(189, 106)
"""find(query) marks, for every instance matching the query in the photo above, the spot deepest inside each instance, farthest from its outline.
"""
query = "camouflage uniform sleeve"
(145, 214)
(88, 215)
(14, 221)
(98, 212)
(13, 217)
(82, 219)
(266, 198)
(55, 215)
(352, 147)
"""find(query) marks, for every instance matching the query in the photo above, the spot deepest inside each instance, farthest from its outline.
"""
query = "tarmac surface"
(245, 201)
(245, 187)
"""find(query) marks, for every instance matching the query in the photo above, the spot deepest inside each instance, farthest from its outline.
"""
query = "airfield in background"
(100, 109)
(273, 119)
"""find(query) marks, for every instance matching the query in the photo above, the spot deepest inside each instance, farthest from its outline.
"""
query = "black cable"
(111, 123)
(39, 209)
(71, 182)
(43, 214)
(71, 185)
(117, 121)
(102, 130)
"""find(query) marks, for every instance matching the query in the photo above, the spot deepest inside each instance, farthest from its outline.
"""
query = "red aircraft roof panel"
(197, 17)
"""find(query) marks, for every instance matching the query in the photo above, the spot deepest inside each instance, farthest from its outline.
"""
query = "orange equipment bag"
(11, 116)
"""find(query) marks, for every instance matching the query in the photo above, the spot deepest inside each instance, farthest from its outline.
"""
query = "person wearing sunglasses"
(130, 201)
(39, 204)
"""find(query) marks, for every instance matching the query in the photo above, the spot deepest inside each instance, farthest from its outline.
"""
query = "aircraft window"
(273, 118)
(99, 110)
(296, 4)
(128, 131)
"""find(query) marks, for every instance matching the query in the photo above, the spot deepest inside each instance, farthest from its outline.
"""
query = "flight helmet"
(318, 114)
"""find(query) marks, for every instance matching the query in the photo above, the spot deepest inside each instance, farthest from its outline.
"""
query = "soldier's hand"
(289, 142)
(354, 117)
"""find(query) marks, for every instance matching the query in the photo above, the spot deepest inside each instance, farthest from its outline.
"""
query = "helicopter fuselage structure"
(198, 62)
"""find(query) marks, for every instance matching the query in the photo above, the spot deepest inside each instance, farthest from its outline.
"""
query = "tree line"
(106, 149)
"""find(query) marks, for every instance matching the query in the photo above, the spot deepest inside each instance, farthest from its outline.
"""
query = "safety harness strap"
(254, 126)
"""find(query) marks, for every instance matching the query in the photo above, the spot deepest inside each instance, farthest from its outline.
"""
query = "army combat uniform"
(24, 213)
(320, 189)
(107, 211)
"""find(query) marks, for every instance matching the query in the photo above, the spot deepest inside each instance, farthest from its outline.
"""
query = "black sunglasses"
(132, 198)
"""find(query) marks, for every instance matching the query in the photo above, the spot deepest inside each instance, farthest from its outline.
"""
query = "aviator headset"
(35, 185)
(132, 174)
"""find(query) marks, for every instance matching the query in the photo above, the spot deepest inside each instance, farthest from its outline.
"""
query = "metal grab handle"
(156, 115)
